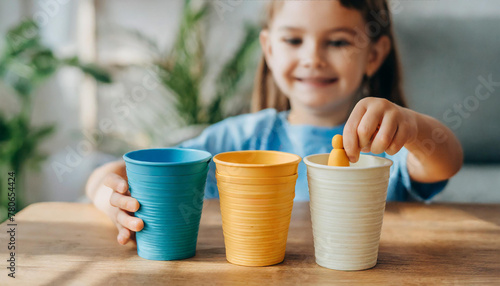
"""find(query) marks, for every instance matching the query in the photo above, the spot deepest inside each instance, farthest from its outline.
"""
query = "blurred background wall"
(448, 49)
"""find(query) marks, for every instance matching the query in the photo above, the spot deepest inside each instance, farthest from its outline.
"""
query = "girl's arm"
(435, 154)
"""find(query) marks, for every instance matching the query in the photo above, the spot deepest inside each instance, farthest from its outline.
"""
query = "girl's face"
(318, 53)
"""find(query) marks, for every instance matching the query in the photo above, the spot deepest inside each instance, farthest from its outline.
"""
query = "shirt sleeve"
(403, 188)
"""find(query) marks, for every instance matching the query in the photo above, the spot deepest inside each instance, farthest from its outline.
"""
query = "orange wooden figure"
(338, 157)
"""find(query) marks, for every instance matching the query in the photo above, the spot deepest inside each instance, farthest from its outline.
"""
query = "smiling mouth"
(317, 81)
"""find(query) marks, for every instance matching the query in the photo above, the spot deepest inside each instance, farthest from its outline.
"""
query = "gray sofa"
(450, 52)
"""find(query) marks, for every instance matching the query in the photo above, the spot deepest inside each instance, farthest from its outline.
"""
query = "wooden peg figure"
(338, 156)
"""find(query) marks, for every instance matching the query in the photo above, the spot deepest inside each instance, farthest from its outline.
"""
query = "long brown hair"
(385, 83)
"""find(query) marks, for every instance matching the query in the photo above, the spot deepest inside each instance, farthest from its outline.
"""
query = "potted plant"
(25, 63)
(183, 74)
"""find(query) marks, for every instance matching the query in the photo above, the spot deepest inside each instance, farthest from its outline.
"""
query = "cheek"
(281, 71)
(283, 66)
(284, 60)
(351, 69)
(283, 56)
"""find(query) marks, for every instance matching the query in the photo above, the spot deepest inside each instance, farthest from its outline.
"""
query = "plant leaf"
(96, 72)
(4, 129)
(93, 70)
(45, 63)
(22, 36)
(41, 133)
(233, 71)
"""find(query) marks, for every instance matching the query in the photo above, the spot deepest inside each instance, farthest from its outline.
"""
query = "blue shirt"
(270, 130)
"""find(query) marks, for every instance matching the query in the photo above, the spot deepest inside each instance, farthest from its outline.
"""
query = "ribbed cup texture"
(170, 206)
(347, 207)
(256, 210)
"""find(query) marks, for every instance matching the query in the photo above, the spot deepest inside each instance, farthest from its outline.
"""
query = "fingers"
(127, 225)
(384, 137)
(350, 134)
(130, 222)
(121, 170)
(124, 202)
(117, 183)
(400, 138)
(123, 234)
(132, 237)
(376, 125)
(367, 127)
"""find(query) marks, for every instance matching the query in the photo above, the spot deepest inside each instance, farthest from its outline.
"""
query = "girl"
(328, 67)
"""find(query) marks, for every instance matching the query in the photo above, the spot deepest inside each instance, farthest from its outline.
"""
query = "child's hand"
(377, 125)
(126, 223)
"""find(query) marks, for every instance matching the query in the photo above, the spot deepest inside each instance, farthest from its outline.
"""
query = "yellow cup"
(253, 190)
(256, 190)
(257, 163)
(256, 225)
(260, 251)
(261, 207)
(255, 220)
(243, 230)
(256, 193)
(265, 238)
(272, 181)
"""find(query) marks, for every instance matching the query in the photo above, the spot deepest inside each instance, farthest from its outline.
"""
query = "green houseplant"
(184, 68)
(184, 71)
(25, 63)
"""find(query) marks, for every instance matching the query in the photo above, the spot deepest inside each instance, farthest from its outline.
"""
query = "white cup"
(347, 209)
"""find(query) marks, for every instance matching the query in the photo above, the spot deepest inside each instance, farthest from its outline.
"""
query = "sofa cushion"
(451, 67)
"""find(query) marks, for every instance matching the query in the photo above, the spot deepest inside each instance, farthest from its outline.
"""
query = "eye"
(293, 41)
(339, 43)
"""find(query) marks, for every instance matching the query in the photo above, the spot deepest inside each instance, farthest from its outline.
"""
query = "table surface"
(75, 244)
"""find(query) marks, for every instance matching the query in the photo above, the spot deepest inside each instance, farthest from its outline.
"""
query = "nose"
(312, 56)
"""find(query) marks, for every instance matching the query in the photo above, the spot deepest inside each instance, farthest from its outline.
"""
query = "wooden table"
(75, 244)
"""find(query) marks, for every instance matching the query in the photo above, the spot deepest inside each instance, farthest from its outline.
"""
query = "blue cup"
(168, 179)
(169, 184)
(166, 161)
